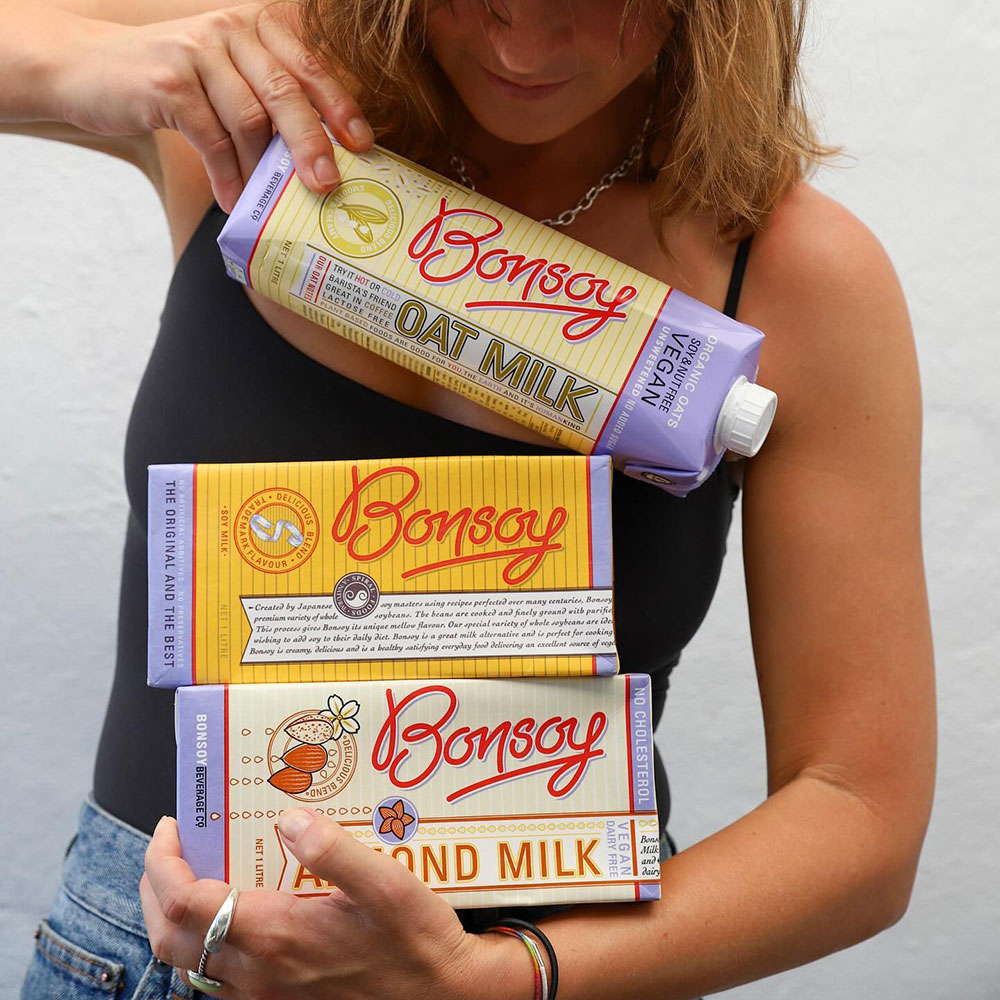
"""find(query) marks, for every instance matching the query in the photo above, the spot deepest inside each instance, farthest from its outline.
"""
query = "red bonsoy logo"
(455, 244)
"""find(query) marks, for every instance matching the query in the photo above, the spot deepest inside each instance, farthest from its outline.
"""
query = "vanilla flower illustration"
(342, 715)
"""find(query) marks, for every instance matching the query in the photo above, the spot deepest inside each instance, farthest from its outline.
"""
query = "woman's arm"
(145, 12)
(841, 638)
(41, 37)
(222, 78)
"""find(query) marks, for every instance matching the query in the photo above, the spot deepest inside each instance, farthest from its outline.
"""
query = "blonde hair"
(729, 132)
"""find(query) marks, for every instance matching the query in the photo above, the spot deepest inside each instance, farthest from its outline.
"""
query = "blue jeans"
(93, 943)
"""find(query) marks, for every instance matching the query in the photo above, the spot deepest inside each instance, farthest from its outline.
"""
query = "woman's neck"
(543, 179)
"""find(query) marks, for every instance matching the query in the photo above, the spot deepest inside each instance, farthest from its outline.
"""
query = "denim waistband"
(103, 866)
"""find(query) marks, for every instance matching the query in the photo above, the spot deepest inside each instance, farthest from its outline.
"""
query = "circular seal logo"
(361, 218)
(395, 820)
(356, 595)
(276, 530)
(307, 761)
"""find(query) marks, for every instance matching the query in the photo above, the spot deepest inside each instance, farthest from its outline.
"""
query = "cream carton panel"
(506, 311)
(525, 792)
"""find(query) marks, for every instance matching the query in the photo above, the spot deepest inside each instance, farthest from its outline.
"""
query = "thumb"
(373, 880)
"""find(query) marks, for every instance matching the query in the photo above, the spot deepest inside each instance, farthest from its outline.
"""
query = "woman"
(532, 102)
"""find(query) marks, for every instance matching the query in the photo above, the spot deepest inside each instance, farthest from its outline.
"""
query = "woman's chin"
(518, 125)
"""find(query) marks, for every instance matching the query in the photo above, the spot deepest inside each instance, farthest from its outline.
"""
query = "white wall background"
(910, 89)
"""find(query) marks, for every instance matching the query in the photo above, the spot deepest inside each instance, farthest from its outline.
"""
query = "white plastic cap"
(745, 418)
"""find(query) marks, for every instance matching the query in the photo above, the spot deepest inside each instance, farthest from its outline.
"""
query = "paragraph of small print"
(431, 626)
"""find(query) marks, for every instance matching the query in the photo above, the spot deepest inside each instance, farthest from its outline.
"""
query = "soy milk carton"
(496, 566)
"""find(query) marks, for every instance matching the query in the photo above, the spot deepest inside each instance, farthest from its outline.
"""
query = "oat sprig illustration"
(362, 216)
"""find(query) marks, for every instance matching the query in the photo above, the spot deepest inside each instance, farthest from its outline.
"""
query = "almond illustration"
(290, 780)
(312, 729)
(306, 757)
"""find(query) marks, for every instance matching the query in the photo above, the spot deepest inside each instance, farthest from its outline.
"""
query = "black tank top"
(222, 385)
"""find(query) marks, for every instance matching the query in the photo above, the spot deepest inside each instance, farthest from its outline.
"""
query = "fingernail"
(360, 132)
(324, 171)
(293, 822)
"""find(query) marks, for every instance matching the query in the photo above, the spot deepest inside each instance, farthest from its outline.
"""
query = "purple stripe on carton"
(649, 891)
(600, 520)
(662, 426)
(200, 728)
(170, 575)
(242, 229)
(640, 708)
(601, 542)
(605, 665)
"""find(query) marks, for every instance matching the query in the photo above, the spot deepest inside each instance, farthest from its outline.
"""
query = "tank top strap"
(736, 278)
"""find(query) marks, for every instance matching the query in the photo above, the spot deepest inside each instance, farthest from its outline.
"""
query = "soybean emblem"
(276, 530)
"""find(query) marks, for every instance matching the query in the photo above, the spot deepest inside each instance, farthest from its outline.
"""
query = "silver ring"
(199, 980)
(219, 928)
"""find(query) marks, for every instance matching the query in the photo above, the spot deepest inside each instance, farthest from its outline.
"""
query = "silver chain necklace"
(569, 215)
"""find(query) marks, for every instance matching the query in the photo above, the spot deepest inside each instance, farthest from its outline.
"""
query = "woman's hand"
(221, 79)
(381, 934)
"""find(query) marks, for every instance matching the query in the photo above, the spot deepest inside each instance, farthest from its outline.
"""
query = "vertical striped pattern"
(514, 811)
(223, 575)
(604, 359)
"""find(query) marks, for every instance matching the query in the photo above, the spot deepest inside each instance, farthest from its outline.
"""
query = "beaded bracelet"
(518, 926)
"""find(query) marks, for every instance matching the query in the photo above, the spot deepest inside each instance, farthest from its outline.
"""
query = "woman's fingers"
(191, 904)
(164, 865)
(328, 95)
(180, 948)
(240, 112)
(198, 122)
(224, 79)
(377, 884)
(187, 902)
(285, 102)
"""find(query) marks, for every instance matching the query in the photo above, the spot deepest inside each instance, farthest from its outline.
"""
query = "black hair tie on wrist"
(524, 925)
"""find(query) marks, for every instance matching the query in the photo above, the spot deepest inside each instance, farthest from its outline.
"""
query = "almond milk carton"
(521, 792)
